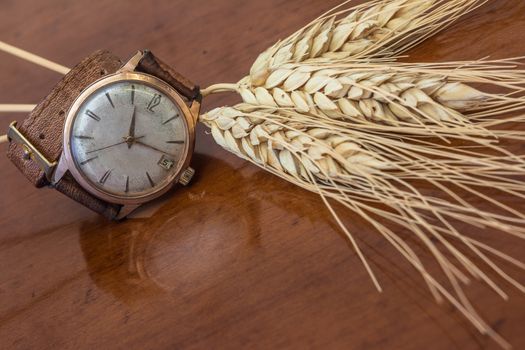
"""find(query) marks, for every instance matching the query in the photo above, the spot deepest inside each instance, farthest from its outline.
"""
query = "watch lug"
(195, 110)
(60, 170)
(132, 63)
(126, 210)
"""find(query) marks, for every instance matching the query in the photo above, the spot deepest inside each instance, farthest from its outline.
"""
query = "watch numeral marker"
(150, 180)
(132, 94)
(109, 99)
(155, 101)
(82, 137)
(169, 120)
(88, 160)
(127, 185)
(176, 142)
(92, 115)
(105, 177)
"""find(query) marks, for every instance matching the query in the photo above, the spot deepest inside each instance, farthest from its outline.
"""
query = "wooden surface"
(240, 259)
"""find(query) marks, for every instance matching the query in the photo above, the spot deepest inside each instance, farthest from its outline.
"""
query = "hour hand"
(131, 135)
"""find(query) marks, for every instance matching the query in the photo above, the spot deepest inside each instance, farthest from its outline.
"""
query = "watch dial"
(128, 139)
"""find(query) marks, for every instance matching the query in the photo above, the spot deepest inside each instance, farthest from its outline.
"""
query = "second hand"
(116, 144)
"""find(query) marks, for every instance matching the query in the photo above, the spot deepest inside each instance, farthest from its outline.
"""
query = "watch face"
(128, 139)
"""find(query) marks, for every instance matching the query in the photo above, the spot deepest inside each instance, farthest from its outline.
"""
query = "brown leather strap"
(45, 124)
(150, 64)
(68, 186)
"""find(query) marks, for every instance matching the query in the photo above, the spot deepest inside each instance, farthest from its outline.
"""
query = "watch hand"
(113, 145)
(152, 147)
(131, 135)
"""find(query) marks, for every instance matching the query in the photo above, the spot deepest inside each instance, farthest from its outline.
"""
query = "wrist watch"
(111, 136)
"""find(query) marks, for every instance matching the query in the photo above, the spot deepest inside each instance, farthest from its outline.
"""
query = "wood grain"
(240, 259)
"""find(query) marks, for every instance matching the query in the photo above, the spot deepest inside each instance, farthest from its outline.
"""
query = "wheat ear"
(363, 171)
(415, 97)
(373, 30)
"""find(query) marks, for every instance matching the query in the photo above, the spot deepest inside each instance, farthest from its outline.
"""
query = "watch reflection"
(204, 244)
(183, 239)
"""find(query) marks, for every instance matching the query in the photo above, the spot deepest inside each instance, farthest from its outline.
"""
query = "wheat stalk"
(30, 57)
(16, 108)
(13, 108)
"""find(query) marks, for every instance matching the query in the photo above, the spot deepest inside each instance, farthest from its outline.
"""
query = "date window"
(166, 163)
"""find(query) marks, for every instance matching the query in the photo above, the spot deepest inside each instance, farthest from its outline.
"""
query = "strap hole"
(61, 113)
(41, 136)
(103, 72)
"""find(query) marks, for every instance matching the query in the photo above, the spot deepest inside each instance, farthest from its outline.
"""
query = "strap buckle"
(30, 151)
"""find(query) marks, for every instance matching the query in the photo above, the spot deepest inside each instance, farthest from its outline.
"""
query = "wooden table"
(240, 259)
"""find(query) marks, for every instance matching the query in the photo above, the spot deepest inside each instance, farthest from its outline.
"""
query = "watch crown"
(186, 176)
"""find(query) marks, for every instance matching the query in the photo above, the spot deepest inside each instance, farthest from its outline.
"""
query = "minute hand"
(150, 146)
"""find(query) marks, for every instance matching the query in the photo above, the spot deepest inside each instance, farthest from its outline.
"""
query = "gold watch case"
(190, 114)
